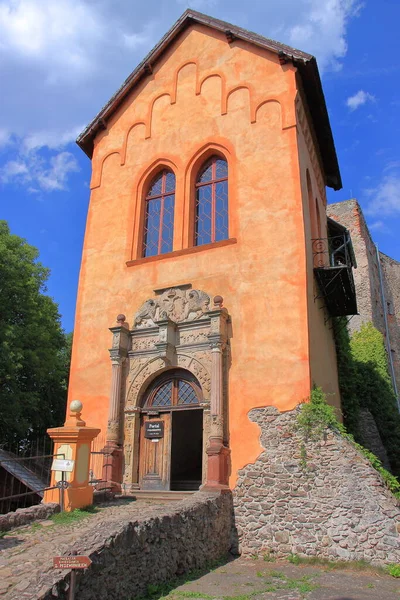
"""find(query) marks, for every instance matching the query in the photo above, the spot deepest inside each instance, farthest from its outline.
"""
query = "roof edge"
(306, 64)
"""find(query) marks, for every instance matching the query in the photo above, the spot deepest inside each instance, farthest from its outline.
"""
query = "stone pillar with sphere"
(113, 450)
(72, 444)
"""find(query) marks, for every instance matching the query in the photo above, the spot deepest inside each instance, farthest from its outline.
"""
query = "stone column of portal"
(113, 450)
(217, 452)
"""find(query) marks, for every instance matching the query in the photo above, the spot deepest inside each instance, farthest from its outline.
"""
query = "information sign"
(71, 562)
(154, 429)
(63, 464)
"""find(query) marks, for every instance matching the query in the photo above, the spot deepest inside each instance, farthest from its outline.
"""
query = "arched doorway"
(171, 433)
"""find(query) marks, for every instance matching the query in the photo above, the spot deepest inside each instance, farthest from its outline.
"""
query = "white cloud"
(50, 139)
(5, 138)
(38, 174)
(320, 28)
(358, 99)
(13, 169)
(378, 226)
(61, 60)
(384, 199)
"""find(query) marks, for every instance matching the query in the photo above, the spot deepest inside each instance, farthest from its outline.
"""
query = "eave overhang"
(305, 63)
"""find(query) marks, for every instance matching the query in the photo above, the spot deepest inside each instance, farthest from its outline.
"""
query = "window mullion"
(160, 231)
(213, 188)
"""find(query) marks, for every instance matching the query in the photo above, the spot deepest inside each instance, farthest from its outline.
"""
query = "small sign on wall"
(154, 429)
(61, 464)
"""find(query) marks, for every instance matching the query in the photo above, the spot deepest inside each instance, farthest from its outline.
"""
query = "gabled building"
(207, 236)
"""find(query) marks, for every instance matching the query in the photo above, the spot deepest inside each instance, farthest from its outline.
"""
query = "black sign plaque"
(154, 429)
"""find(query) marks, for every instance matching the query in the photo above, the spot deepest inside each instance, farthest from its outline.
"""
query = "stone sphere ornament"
(218, 301)
(76, 406)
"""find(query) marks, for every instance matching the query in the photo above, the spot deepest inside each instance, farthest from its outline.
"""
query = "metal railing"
(25, 476)
(336, 251)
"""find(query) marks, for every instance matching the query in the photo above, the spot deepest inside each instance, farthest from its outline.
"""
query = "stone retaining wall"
(336, 506)
(186, 535)
(23, 516)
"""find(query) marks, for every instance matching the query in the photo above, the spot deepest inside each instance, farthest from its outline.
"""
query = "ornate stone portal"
(176, 328)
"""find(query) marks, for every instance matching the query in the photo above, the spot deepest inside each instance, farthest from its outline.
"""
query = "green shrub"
(316, 416)
(394, 570)
(365, 383)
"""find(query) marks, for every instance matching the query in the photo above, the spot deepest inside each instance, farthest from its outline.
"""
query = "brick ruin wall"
(333, 505)
(366, 275)
(391, 277)
(367, 281)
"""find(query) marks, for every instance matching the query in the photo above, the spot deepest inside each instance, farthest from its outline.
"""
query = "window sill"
(183, 252)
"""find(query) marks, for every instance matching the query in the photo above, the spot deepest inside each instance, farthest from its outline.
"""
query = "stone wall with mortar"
(24, 516)
(127, 558)
(335, 506)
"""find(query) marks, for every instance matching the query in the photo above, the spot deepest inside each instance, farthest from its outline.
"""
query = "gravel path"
(26, 553)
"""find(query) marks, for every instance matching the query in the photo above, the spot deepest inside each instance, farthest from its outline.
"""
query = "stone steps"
(160, 495)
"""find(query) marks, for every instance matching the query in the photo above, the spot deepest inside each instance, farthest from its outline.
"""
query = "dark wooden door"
(155, 453)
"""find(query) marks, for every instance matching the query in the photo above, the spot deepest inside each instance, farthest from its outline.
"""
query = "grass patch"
(192, 595)
(303, 585)
(67, 518)
(393, 570)
(269, 557)
(3, 534)
(332, 565)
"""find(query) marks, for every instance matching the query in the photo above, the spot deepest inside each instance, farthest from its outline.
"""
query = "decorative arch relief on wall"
(287, 117)
(315, 159)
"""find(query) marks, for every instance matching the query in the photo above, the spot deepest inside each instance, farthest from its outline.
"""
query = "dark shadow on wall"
(365, 384)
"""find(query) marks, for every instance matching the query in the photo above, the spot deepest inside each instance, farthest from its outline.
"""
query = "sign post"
(72, 562)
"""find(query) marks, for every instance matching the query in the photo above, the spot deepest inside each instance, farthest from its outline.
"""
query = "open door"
(155, 452)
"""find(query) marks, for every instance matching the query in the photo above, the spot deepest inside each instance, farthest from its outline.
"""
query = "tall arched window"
(159, 215)
(211, 208)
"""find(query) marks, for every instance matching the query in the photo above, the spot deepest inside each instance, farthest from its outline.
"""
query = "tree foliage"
(34, 351)
(365, 383)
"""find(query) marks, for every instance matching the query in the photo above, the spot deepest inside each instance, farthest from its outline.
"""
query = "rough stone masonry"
(334, 506)
(129, 556)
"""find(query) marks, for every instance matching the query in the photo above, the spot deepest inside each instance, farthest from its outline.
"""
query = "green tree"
(34, 351)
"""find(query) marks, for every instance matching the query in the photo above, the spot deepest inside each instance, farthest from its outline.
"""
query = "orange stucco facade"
(207, 96)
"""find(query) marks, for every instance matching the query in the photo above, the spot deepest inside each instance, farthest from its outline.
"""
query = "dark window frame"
(212, 183)
(161, 197)
(175, 378)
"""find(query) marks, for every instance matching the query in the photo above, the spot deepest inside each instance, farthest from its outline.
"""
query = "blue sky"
(60, 61)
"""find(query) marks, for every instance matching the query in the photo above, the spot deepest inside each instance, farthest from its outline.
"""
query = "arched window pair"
(210, 210)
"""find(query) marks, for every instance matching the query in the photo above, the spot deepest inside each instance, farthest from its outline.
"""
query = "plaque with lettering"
(154, 429)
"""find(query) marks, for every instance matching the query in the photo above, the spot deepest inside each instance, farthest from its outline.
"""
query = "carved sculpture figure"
(175, 304)
(146, 313)
(197, 303)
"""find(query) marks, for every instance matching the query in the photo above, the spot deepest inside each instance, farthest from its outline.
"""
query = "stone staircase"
(159, 495)
(16, 468)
